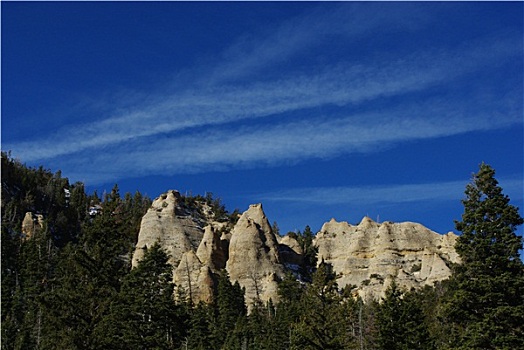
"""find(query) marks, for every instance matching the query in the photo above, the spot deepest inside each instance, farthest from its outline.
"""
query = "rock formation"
(190, 237)
(194, 279)
(213, 250)
(32, 224)
(175, 226)
(254, 259)
(290, 252)
(370, 255)
(195, 274)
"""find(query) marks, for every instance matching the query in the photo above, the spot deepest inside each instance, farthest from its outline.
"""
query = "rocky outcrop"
(32, 224)
(370, 255)
(291, 253)
(254, 259)
(194, 279)
(213, 249)
(195, 274)
(175, 226)
(187, 232)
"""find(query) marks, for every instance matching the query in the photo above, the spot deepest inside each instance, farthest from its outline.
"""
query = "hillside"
(81, 271)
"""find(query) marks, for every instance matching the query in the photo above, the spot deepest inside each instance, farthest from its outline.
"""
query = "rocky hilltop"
(368, 256)
(190, 235)
(254, 259)
(176, 226)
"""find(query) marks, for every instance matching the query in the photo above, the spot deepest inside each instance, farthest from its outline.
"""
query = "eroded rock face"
(172, 225)
(370, 255)
(194, 279)
(195, 274)
(196, 244)
(213, 250)
(254, 259)
(291, 253)
(32, 224)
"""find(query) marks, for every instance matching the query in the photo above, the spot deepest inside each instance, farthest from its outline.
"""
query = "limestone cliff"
(32, 224)
(370, 254)
(176, 226)
(254, 259)
(191, 237)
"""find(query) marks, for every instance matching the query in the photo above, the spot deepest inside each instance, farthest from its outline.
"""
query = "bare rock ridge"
(177, 227)
(369, 255)
(254, 259)
(190, 236)
(32, 224)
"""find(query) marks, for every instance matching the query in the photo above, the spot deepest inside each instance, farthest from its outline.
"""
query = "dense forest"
(68, 283)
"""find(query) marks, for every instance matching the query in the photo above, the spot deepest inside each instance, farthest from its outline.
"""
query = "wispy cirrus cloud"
(217, 121)
(385, 194)
(340, 85)
(254, 52)
(254, 145)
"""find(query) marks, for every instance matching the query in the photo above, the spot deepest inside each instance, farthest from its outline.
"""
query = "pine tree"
(230, 311)
(486, 301)
(305, 239)
(287, 312)
(200, 333)
(323, 325)
(400, 321)
(76, 300)
(144, 314)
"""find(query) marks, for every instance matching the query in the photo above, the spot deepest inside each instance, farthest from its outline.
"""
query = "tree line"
(71, 285)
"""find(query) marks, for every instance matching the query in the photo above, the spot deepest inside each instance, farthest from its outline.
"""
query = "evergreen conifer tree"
(486, 301)
(305, 239)
(400, 322)
(323, 325)
(144, 314)
(200, 333)
(230, 311)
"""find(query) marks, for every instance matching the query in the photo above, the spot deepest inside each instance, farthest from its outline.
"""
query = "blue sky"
(317, 110)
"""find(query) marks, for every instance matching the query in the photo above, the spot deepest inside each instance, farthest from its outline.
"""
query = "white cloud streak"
(344, 84)
(215, 123)
(389, 194)
(253, 53)
(229, 147)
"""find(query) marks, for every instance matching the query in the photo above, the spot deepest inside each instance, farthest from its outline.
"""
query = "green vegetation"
(70, 285)
(485, 305)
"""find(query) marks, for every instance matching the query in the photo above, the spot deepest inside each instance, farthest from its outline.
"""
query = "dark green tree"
(34, 267)
(108, 239)
(305, 239)
(144, 314)
(200, 333)
(323, 309)
(76, 301)
(231, 311)
(430, 300)
(286, 313)
(485, 306)
(400, 322)
(290, 292)
(10, 315)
